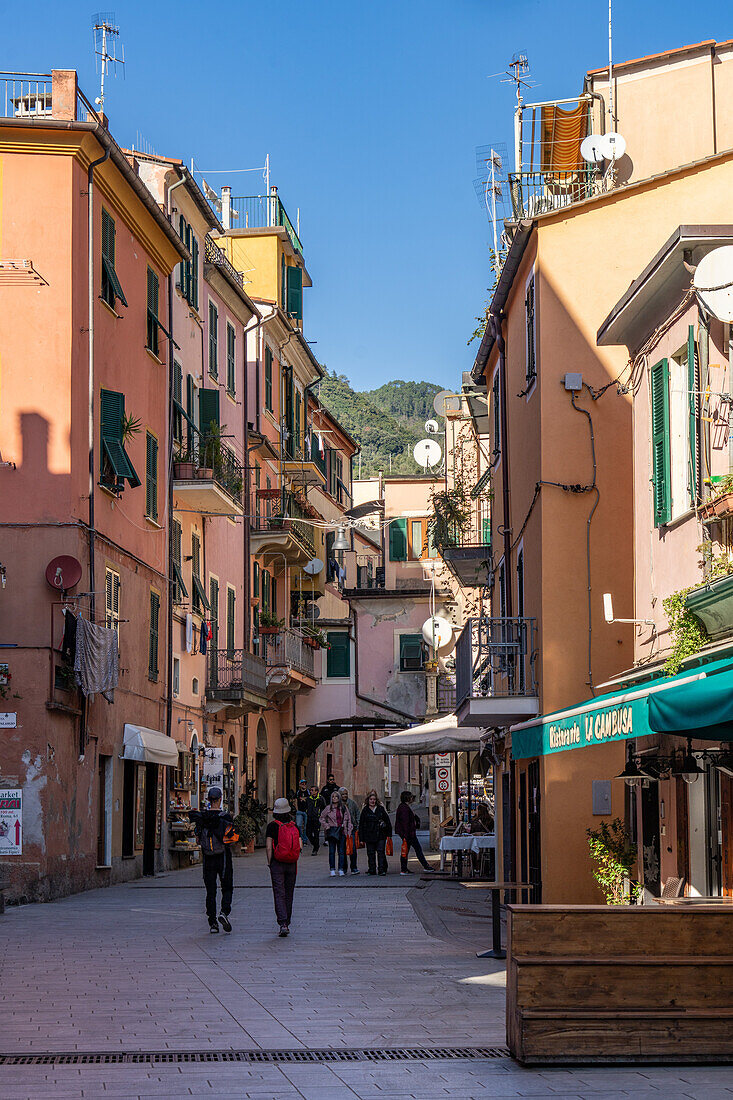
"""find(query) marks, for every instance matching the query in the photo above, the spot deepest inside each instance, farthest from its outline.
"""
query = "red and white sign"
(11, 821)
(442, 780)
(442, 760)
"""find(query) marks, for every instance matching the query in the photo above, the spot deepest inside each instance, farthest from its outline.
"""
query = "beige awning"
(149, 746)
(441, 735)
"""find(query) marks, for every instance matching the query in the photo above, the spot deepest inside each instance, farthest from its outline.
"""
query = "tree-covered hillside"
(387, 421)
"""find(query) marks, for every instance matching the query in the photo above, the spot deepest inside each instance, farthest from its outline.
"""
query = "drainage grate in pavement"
(160, 1057)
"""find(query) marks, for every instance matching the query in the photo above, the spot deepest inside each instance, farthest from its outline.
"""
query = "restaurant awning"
(695, 702)
(149, 746)
(441, 735)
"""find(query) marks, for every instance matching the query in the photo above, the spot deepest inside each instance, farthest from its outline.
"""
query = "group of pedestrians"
(345, 826)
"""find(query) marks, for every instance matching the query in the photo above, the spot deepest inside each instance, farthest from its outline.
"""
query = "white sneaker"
(342, 872)
(333, 874)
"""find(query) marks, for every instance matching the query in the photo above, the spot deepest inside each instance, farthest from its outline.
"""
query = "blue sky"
(371, 114)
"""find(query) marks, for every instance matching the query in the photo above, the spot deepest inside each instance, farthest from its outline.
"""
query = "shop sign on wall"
(442, 760)
(214, 767)
(8, 721)
(11, 821)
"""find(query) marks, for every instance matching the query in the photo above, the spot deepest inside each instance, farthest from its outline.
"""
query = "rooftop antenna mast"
(611, 111)
(107, 49)
(518, 73)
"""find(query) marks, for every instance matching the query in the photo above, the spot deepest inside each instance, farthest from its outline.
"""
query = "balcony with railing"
(263, 212)
(33, 97)
(214, 255)
(290, 660)
(534, 193)
(466, 550)
(446, 693)
(207, 477)
(236, 678)
(495, 672)
(278, 529)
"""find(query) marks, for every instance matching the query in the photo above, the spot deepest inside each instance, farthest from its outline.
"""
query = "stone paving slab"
(134, 968)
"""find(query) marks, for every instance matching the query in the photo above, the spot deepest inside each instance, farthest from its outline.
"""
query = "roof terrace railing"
(261, 212)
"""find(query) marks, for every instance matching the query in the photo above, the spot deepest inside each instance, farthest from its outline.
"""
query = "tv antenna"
(489, 189)
(107, 50)
(518, 74)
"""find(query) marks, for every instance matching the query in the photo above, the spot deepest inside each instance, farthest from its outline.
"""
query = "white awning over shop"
(441, 735)
(149, 746)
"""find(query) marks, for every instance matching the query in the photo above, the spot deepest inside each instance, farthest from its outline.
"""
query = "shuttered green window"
(661, 461)
(179, 588)
(693, 388)
(268, 379)
(255, 580)
(295, 292)
(495, 400)
(283, 283)
(151, 477)
(184, 267)
(116, 467)
(231, 605)
(412, 653)
(338, 654)
(231, 360)
(153, 639)
(529, 311)
(199, 600)
(208, 411)
(265, 590)
(193, 298)
(213, 340)
(214, 611)
(190, 407)
(152, 318)
(177, 403)
(296, 426)
(112, 588)
(398, 540)
(111, 289)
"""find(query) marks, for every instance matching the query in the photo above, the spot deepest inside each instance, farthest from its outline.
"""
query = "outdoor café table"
(458, 844)
(496, 951)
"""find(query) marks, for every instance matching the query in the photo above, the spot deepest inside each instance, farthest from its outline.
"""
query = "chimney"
(226, 208)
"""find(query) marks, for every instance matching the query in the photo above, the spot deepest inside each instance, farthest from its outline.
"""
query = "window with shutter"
(661, 463)
(153, 639)
(191, 411)
(412, 653)
(115, 464)
(208, 411)
(529, 312)
(152, 318)
(338, 654)
(194, 287)
(295, 292)
(255, 580)
(213, 340)
(177, 403)
(180, 592)
(265, 590)
(151, 477)
(111, 288)
(199, 600)
(398, 540)
(495, 400)
(296, 425)
(184, 267)
(268, 380)
(214, 611)
(231, 360)
(112, 588)
(231, 604)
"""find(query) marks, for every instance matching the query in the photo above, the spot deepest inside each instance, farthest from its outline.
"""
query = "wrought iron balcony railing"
(206, 459)
(535, 193)
(446, 694)
(214, 255)
(261, 212)
(495, 658)
(288, 649)
(288, 525)
(233, 671)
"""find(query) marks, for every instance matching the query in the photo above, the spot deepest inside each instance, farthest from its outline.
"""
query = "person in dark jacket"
(328, 788)
(405, 825)
(314, 809)
(301, 807)
(216, 857)
(374, 828)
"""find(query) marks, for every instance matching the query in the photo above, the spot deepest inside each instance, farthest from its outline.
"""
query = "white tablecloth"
(481, 843)
(467, 843)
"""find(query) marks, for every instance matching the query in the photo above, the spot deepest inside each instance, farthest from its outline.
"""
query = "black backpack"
(212, 843)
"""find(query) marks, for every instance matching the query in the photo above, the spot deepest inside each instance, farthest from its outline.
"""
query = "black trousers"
(313, 832)
(377, 857)
(283, 876)
(218, 867)
(417, 849)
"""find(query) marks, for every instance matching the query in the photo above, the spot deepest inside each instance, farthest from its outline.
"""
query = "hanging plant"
(688, 633)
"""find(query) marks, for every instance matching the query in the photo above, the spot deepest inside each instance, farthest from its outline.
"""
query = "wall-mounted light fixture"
(609, 616)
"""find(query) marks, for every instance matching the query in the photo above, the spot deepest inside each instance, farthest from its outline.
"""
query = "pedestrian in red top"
(282, 846)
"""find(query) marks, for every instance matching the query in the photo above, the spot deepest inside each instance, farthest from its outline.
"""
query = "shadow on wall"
(30, 491)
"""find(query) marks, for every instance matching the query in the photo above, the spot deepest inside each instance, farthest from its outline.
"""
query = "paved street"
(134, 968)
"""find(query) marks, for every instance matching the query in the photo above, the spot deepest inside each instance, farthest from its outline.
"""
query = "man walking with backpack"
(211, 828)
(282, 846)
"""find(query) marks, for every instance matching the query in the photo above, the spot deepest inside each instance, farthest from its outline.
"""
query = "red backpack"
(287, 847)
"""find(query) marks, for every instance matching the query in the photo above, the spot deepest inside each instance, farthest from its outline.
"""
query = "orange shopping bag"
(389, 847)
(349, 845)
(404, 849)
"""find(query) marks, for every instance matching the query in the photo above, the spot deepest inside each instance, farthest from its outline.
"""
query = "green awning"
(698, 702)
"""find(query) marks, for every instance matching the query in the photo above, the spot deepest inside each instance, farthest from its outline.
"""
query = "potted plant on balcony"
(314, 637)
(269, 623)
(251, 817)
(720, 503)
(184, 466)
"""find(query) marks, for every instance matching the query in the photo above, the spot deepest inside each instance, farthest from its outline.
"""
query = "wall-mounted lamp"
(609, 616)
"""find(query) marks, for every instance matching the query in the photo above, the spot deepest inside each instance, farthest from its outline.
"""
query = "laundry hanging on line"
(96, 660)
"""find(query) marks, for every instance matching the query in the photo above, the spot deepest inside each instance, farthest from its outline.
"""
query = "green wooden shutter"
(273, 597)
(231, 603)
(693, 386)
(398, 540)
(295, 292)
(208, 409)
(179, 588)
(231, 359)
(661, 465)
(411, 652)
(115, 464)
(268, 379)
(265, 590)
(255, 579)
(112, 410)
(152, 315)
(531, 365)
(195, 567)
(213, 340)
(194, 289)
(177, 402)
(214, 611)
(184, 274)
(338, 654)
(153, 640)
(151, 477)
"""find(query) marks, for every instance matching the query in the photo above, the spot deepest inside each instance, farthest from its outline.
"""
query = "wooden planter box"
(717, 509)
(598, 983)
(270, 629)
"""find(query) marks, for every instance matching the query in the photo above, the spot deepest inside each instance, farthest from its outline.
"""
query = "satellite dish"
(612, 146)
(437, 632)
(313, 567)
(63, 573)
(446, 401)
(427, 453)
(311, 611)
(590, 149)
(716, 270)
(432, 427)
